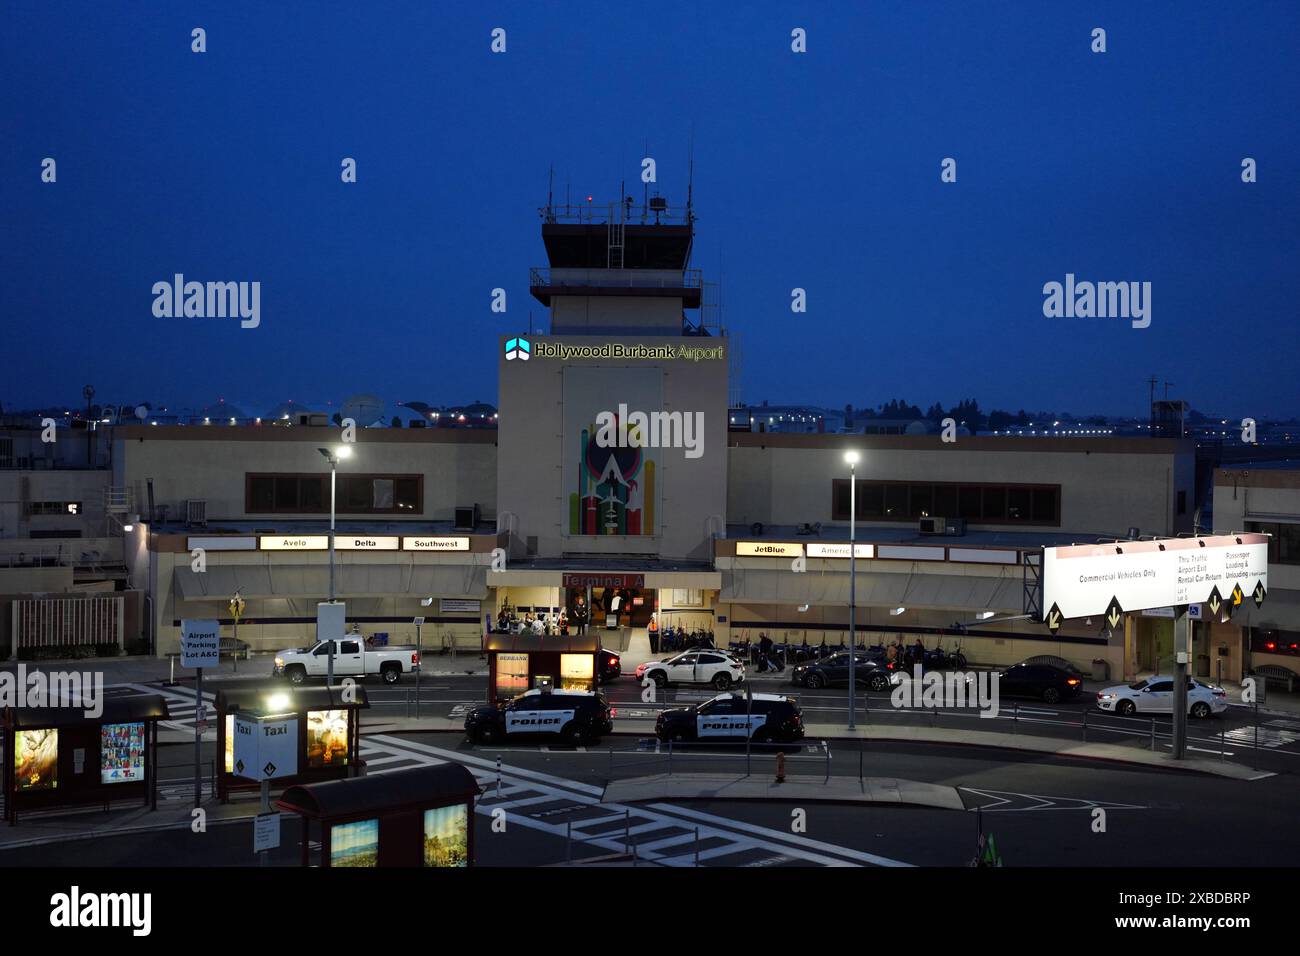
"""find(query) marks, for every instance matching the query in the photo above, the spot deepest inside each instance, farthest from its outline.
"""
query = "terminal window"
(979, 504)
(355, 494)
(1283, 541)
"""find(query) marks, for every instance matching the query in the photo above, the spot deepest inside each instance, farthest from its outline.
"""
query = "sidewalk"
(836, 789)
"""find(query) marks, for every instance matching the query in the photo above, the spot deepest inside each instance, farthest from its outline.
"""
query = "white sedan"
(1155, 695)
(700, 666)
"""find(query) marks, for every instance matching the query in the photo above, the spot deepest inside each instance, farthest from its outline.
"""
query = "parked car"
(704, 666)
(833, 671)
(1155, 695)
(764, 718)
(611, 666)
(574, 716)
(351, 659)
(1045, 682)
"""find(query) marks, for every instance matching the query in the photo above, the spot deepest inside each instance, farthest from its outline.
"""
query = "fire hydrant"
(780, 768)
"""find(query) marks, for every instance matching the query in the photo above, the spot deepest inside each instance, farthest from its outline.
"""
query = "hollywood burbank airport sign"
(1112, 579)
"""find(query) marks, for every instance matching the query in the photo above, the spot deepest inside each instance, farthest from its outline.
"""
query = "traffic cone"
(780, 768)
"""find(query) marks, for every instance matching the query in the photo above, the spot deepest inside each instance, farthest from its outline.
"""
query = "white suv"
(699, 666)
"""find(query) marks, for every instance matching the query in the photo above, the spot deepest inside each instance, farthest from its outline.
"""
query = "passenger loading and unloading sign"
(1083, 580)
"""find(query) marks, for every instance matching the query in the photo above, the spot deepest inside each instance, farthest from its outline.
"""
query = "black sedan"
(611, 666)
(833, 671)
(1045, 682)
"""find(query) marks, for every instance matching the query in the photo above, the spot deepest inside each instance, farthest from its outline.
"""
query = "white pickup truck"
(351, 659)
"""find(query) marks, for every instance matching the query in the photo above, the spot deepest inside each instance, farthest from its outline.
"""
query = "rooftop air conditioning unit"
(196, 512)
(947, 526)
(658, 203)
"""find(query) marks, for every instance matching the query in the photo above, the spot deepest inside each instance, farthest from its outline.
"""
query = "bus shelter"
(419, 817)
(520, 662)
(329, 733)
(61, 757)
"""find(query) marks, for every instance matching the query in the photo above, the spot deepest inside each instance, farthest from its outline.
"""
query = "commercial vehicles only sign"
(1088, 580)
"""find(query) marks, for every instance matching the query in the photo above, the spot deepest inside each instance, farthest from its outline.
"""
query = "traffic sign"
(1054, 619)
(1236, 595)
(1259, 593)
(1215, 602)
(266, 832)
(1114, 613)
(200, 643)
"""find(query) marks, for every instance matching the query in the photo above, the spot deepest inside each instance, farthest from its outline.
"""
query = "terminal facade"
(613, 468)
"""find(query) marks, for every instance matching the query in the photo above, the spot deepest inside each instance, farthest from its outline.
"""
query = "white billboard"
(1082, 580)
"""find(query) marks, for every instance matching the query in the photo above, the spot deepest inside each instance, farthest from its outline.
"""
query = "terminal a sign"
(1129, 576)
(604, 580)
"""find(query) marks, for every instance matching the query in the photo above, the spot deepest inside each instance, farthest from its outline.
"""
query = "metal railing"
(600, 213)
(543, 277)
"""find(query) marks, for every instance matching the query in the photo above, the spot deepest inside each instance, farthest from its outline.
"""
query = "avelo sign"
(1084, 580)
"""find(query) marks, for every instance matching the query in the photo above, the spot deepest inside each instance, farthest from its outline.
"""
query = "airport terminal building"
(612, 468)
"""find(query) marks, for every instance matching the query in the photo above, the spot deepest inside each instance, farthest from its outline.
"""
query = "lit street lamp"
(852, 458)
(343, 451)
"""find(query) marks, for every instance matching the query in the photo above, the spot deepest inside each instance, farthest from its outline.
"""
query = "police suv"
(574, 716)
(765, 718)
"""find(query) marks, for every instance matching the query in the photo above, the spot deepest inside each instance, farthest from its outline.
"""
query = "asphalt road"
(1041, 811)
(1231, 735)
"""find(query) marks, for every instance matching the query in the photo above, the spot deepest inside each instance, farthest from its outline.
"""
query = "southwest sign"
(1105, 580)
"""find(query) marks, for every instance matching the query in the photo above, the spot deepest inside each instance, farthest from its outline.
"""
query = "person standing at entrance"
(652, 630)
(580, 614)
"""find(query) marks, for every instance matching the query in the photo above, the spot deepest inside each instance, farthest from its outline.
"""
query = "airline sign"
(1114, 579)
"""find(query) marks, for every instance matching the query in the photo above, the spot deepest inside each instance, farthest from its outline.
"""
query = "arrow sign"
(1054, 619)
(1236, 595)
(1215, 601)
(1259, 593)
(1114, 613)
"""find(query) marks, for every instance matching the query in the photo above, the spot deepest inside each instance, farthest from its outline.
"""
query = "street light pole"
(332, 456)
(329, 671)
(852, 458)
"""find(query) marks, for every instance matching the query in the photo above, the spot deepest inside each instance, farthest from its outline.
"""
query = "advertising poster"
(327, 738)
(355, 844)
(36, 759)
(609, 490)
(446, 836)
(230, 743)
(121, 752)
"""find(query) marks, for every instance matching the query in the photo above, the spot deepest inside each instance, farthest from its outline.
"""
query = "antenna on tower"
(550, 195)
(690, 175)
(645, 189)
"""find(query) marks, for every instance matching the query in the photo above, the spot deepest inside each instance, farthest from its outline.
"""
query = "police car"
(765, 718)
(574, 716)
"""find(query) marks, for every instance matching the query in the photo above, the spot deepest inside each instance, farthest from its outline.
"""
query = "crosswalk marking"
(627, 825)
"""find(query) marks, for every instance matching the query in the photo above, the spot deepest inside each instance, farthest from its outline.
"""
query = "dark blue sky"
(818, 170)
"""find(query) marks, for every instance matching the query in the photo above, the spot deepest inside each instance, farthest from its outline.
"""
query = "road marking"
(737, 836)
(1005, 799)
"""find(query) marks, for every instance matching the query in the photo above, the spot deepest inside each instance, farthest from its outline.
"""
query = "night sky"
(817, 170)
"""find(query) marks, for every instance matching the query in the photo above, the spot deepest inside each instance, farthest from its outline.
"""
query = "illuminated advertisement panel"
(36, 759)
(121, 752)
(327, 738)
(446, 836)
(355, 844)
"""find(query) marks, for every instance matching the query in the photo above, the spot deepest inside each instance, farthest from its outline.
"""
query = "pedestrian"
(652, 631)
(764, 653)
(580, 615)
(564, 623)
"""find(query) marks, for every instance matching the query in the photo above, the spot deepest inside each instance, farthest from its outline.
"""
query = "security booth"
(327, 727)
(418, 817)
(61, 757)
(520, 662)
